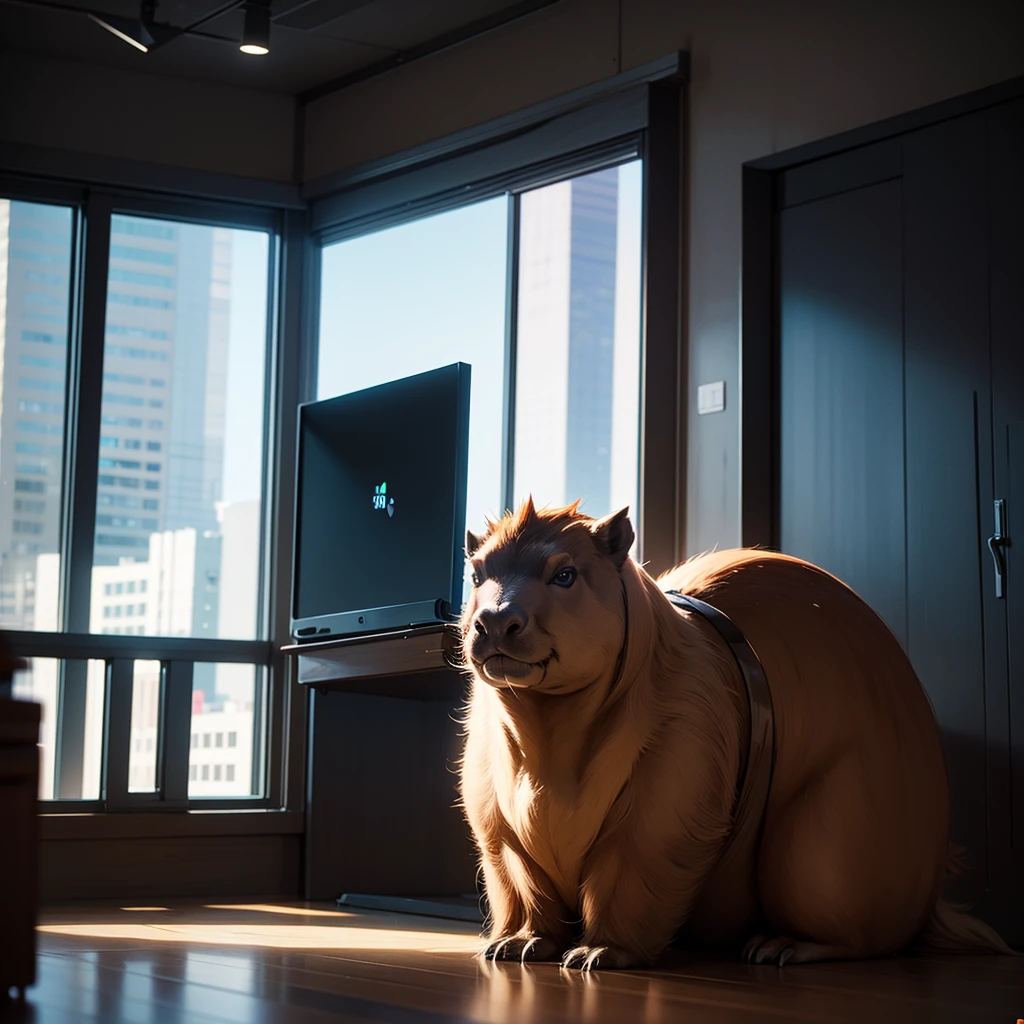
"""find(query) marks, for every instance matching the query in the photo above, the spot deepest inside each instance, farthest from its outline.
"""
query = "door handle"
(996, 543)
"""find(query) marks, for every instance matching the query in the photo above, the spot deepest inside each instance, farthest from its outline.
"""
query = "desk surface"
(418, 663)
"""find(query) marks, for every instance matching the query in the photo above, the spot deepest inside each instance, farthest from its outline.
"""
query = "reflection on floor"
(298, 963)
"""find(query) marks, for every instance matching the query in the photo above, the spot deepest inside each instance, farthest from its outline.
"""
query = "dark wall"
(157, 119)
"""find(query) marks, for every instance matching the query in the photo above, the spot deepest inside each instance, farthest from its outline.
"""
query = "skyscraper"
(578, 342)
(164, 382)
(35, 261)
(164, 387)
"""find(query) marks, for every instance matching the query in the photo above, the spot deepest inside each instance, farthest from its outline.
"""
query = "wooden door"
(899, 348)
(841, 391)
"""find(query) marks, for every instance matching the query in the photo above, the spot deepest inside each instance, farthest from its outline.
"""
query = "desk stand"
(384, 743)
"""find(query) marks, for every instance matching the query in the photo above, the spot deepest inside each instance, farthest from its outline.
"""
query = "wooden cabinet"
(19, 849)
(382, 814)
(899, 347)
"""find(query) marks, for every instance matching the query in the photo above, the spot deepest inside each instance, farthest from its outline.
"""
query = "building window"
(206, 772)
(232, 739)
(216, 773)
(193, 772)
(220, 739)
(229, 773)
(214, 341)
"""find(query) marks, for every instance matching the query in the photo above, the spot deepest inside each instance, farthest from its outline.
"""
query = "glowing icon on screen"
(381, 500)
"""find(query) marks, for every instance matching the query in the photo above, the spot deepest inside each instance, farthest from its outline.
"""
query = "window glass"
(180, 473)
(224, 759)
(416, 297)
(578, 342)
(144, 747)
(40, 682)
(35, 283)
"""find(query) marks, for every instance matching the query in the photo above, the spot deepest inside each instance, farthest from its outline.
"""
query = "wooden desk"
(385, 739)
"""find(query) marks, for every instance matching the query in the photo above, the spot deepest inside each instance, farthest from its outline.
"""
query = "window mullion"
(508, 439)
(117, 731)
(175, 733)
(293, 346)
(82, 421)
(86, 395)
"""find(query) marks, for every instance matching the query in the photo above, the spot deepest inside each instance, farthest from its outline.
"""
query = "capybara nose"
(500, 624)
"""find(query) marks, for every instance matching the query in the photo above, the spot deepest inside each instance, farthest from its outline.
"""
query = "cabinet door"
(840, 350)
(1005, 615)
(949, 477)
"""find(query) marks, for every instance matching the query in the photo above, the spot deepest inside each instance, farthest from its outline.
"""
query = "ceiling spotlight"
(256, 34)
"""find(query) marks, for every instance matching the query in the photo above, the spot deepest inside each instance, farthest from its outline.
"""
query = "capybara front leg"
(527, 922)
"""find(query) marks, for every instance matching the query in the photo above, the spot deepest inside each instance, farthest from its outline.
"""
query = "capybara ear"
(472, 543)
(614, 535)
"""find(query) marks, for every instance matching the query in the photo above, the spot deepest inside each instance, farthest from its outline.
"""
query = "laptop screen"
(381, 496)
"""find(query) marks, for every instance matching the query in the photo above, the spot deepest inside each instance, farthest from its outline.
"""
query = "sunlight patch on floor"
(268, 908)
(275, 936)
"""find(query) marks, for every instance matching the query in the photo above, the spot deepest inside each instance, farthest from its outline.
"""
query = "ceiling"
(312, 41)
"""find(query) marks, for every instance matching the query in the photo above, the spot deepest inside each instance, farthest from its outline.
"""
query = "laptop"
(380, 510)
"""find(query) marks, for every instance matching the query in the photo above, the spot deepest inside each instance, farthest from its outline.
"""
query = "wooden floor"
(298, 963)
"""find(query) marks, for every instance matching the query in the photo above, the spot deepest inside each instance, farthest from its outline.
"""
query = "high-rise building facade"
(578, 342)
(35, 265)
(164, 387)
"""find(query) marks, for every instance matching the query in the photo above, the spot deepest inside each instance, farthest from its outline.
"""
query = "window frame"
(280, 719)
(640, 116)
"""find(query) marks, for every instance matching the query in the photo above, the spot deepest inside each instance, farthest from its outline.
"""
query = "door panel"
(1006, 615)
(948, 409)
(841, 392)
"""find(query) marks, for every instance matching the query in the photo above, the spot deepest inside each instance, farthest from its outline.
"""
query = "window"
(227, 700)
(418, 296)
(84, 687)
(144, 725)
(203, 342)
(163, 532)
(577, 423)
(30, 547)
(435, 290)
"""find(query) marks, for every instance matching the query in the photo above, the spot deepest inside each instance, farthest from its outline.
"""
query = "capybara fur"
(606, 740)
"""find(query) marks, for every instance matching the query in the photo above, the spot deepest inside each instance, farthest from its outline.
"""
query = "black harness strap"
(757, 777)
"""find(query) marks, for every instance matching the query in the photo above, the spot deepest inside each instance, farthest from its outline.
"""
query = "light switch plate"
(711, 397)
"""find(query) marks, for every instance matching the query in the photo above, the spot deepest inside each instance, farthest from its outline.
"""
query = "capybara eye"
(565, 577)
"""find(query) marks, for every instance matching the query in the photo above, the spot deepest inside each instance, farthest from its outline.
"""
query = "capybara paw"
(764, 950)
(523, 948)
(592, 958)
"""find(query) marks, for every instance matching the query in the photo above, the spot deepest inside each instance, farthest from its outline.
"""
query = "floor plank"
(310, 963)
